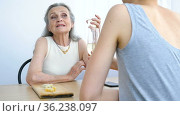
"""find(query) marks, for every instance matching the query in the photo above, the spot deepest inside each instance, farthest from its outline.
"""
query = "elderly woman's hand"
(96, 21)
(76, 70)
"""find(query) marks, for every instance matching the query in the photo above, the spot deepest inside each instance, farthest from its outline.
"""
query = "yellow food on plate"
(49, 87)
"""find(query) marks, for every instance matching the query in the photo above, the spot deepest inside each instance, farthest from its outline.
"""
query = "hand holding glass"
(93, 34)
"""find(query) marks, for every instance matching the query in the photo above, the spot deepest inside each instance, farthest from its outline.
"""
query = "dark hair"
(48, 33)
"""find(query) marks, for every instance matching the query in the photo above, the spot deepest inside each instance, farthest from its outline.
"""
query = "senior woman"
(59, 55)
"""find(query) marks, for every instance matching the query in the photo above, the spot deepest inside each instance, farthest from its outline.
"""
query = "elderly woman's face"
(59, 20)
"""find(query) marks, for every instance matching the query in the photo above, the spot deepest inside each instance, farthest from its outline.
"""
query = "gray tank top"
(149, 67)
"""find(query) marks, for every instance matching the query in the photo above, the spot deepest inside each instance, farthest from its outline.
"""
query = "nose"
(60, 19)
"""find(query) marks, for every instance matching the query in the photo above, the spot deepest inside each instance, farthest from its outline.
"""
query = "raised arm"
(100, 62)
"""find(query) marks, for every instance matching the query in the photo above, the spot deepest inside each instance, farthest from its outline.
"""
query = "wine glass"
(93, 34)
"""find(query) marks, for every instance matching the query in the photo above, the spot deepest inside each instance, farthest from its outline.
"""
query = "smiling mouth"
(60, 25)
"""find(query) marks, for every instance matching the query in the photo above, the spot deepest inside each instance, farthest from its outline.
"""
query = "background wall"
(175, 5)
(22, 24)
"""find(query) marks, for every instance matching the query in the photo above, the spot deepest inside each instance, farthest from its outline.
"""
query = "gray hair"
(48, 33)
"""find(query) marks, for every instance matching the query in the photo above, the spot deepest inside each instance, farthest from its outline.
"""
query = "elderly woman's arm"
(35, 74)
(83, 53)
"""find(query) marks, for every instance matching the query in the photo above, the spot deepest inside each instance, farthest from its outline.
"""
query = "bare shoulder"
(41, 45)
(118, 12)
(41, 40)
(176, 15)
(118, 8)
(170, 14)
(118, 16)
(81, 43)
(119, 20)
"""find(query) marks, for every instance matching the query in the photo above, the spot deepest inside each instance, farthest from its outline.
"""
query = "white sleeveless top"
(58, 63)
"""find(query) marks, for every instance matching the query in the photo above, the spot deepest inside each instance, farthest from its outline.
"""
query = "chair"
(21, 68)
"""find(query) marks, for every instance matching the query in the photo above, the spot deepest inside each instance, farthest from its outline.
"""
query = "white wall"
(21, 23)
(175, 5)
(171, 4)
(165, 3)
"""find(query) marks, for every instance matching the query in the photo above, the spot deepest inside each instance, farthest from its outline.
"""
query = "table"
(24, 92)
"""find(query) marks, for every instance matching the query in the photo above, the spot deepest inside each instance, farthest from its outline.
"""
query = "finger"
(96, 20)
(81, 63)
(73, 71)
(76, 65)
(98, 16)
(82, 70)
(91, 27)
(95, 23)
(79, 71)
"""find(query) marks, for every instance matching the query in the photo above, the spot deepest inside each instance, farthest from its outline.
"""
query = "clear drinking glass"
(93, 34)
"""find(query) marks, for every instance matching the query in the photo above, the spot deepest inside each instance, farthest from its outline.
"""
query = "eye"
(64, 15)
(53, 17)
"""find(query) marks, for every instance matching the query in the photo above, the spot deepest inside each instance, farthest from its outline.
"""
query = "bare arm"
(100, 62)
(83, 53)
(97, 21)
(35, 74)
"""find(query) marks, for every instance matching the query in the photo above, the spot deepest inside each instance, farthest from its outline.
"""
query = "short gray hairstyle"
(48, 33)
